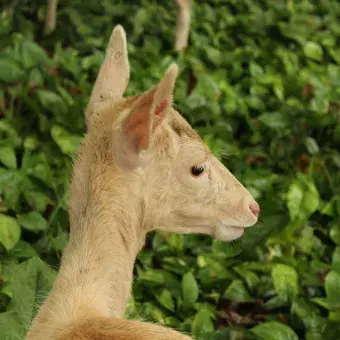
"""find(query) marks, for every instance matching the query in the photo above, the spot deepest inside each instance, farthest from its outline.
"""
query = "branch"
(183, 24)
(51, 16)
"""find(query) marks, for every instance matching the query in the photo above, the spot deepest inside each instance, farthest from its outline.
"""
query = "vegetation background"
(260, 82)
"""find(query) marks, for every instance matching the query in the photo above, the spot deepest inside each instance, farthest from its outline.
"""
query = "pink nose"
(255, 209)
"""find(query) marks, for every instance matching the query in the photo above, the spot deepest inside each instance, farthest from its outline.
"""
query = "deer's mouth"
(239, 229)
(228, 232)
(236, 231)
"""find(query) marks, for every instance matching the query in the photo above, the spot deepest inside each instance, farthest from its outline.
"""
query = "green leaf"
(36, 78)
(10, 71)
(7, 157)
(238, 292)
(306, 241)
(32, 54)
(165, 299)
(30, 283)
(334, 316)
(36, 200)
(294, 199)
(311, 145)
(140, 19)
(38, 165)
(190, 289)
(23, 250)
(214, 55)
(11, 327)
(67, 142)
(285, 281)
(205, 90)
(336, 260)
(45, 278)
(10, 231)
(279, 90)
(60, 241)
(274, 120)
(202, 326)
(151, 276)
(326, 303)
(307, 312)
(32, 221)
(11, 183)
(332, 287)
(311, 199)
(273, 330)
(313, 51)
(51, 101)
(317, 326)
(31, 143)
(9, 133)
(249, 277)
(302, 198)
(335, 234)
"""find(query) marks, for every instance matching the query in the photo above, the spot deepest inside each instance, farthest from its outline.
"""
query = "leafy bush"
(260, 83)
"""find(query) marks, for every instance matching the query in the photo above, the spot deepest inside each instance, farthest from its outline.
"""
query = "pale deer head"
(185, 189)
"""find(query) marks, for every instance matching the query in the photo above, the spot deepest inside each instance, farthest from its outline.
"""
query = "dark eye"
(197, 170)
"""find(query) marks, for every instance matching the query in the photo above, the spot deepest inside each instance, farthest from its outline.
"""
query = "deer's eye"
(197, 170)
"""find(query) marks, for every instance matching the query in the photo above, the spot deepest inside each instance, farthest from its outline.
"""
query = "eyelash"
(198, 170)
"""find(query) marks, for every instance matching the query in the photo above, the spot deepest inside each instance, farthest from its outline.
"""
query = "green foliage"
(260, 83)
(237, 292)
(285, 281)
(190, 289)
(9, 231)
(274, 331)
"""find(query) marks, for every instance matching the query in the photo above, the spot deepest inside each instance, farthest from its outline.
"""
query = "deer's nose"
(255, 209)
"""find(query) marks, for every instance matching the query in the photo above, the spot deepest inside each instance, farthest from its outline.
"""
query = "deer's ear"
(146, 114)
(113, 75)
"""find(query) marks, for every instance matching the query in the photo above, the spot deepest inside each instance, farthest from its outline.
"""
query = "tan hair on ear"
(113, 75)
(145, 115)
(163, 97)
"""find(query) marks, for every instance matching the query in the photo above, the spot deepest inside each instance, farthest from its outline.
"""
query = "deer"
(141, 167)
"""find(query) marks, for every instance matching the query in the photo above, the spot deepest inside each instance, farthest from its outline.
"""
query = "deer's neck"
(97, 265)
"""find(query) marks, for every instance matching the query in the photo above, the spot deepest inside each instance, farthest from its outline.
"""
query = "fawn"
(141, 167)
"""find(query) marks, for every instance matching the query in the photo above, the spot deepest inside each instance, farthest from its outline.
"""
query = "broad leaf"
(67, 141)
(285, 281)
(190, 289)
(302, 198)
(32, 221)
(30, 283)
(7, 157)
(238, 292)
(313, 51)
(10, 71)
(9, 231)
(332, 286)
(52, 101)
(32, 54)
(165, 299)
(202, 326)
(23, 250)
(273, 330)
(11, 327)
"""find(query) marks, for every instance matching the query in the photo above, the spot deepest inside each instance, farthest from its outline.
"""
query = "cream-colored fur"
(133, 175)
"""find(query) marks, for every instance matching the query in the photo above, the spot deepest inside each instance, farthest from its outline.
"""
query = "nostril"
(255, 209)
